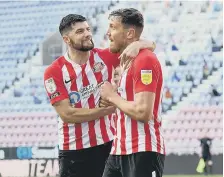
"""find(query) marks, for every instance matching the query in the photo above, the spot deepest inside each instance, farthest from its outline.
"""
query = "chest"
(83, 82)
(126, 86)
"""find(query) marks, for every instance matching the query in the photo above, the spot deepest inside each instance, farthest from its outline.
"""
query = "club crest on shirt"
(146, 76)
(98, 67)
(50, 85)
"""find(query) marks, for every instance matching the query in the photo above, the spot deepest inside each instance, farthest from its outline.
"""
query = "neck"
(77, 56)
(127, 44)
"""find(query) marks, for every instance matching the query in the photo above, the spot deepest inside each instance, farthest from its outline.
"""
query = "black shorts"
(141, 164)
(207, 157)
(88, 162)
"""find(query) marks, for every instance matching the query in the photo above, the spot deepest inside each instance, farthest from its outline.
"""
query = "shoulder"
(147, 60)
(148, 56)
(104, 53)
(55, 66)
(101, 51)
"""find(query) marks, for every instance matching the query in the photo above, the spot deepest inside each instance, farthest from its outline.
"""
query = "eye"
(79, 31)
(112, 27)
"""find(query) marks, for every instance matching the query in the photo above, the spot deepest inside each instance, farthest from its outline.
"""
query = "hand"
(126, 65)
(110, 110)
(107, 91)
(129, 53)
(153, 46)
(103, 103)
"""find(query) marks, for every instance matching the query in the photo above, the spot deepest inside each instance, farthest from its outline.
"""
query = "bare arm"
(132, 50)
(79, 115)
(147, 44)
(141, 109)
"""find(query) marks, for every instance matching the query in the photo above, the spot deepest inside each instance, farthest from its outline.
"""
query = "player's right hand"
(111, 109)
(104, 103)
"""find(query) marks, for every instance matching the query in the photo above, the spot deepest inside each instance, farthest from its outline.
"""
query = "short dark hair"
(129, 16)
(69, 20)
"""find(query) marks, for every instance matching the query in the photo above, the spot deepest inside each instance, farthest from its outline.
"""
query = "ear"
(66, 39)
(131, 33)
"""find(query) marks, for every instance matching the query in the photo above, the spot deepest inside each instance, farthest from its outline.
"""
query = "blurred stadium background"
(189, 38)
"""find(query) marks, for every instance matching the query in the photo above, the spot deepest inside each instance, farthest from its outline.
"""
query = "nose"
(108, 33)
(88, 34)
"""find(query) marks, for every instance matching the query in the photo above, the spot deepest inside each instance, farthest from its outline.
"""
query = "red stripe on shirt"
(123, 134)
(92, 133)
(99, 78)
(156, 126)
(78, 127)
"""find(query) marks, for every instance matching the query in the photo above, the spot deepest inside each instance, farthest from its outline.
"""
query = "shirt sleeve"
(146, 74)
(54, 85)
(111, 58)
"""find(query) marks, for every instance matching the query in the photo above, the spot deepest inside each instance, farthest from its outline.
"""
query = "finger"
(134, 54)
(101, 105)
(112, 108)
(122, 69)
(106, 82)
(153, 46)
(120, 56)
(128, 64)
(100, 84)
(123, 58)
(105, 103)
(128, 57)
(102, 87)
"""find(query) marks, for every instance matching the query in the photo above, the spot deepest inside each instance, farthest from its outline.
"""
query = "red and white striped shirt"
(132, 136)
(64, 79)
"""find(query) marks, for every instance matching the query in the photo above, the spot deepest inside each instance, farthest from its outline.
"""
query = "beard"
(117, 48)
(114, 50)
(82, 47)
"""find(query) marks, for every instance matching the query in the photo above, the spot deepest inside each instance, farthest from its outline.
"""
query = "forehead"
(115, 20)
(79, 25)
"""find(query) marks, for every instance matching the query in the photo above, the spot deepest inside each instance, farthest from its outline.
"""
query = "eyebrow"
(112, 25)
(79, 29)
(82, 29)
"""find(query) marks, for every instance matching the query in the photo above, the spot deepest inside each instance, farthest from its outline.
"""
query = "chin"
(88, 47)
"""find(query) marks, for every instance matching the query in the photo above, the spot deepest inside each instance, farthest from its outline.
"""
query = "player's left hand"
(107, 91)
(129, 54)
(132, 50)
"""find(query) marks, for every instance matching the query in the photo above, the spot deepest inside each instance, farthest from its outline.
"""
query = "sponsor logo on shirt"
(84, 93)
(50, 85)
(90, 89)
(98, 67)
(54, 95)
(74, 97)
(69, 80)
(146, 76)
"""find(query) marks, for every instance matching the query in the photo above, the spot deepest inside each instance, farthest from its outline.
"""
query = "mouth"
(111, 40)
(88, 41)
